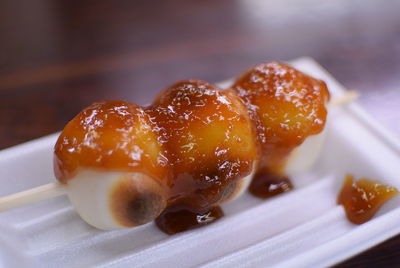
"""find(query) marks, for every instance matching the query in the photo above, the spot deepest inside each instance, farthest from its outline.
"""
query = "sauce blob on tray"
(361, 199)
(176, 219)
(269, 185)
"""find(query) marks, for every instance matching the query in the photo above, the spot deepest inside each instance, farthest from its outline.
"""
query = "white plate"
(302, 228)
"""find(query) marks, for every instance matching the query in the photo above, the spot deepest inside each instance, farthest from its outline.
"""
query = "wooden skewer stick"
(348, 97)
(54, 189)
(33, 195)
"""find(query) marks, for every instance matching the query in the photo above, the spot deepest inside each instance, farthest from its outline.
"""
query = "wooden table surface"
(57, 57)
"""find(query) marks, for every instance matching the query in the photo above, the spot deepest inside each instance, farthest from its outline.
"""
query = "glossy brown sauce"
(266, 185)
(198, 141)
(175, 219)
(108, 135)
(361, 199)
(207, 137)
(286, 106)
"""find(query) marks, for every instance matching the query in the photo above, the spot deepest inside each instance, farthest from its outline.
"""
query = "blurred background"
(56, 57)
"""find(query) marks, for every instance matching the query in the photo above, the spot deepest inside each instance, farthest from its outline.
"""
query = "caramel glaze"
(179, 218)
(206, 134)
(361, 199)
(286, 107)
(109, 135)
(197, 141)
(269, 185)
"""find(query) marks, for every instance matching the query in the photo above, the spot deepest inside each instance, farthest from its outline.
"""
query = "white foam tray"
(303, 228)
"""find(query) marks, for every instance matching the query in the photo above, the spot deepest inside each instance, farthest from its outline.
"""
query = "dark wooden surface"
(56, 57)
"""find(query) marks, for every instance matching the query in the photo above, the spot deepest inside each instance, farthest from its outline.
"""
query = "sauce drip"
(266, 185)
(361, 199)
(175, 219)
